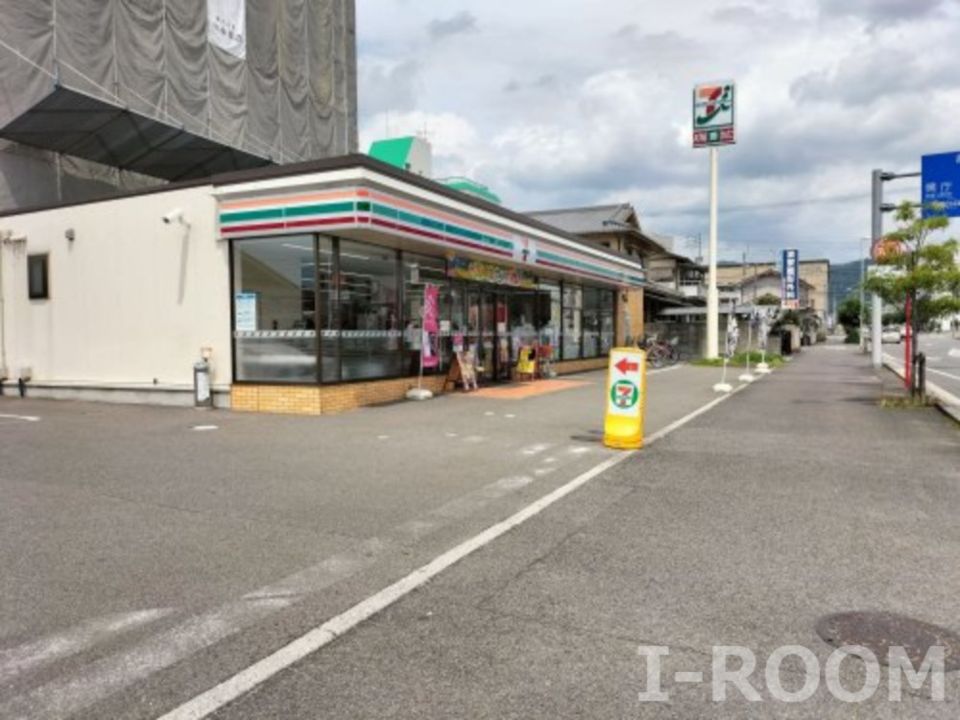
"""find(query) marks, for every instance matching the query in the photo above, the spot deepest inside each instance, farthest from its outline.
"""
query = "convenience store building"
(304, 283)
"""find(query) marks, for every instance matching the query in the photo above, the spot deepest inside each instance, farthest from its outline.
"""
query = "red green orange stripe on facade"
(358, 208)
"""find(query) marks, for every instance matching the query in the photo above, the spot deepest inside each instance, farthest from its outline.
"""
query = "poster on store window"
(431, 326)
(245, 312)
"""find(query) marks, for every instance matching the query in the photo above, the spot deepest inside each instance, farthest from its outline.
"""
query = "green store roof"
(471, 187)
(393, 151)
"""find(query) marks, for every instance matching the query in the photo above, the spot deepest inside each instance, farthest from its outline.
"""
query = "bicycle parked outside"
(661, 353)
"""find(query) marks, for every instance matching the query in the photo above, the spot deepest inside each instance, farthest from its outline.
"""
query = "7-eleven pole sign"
(626, 398)
(714, 114)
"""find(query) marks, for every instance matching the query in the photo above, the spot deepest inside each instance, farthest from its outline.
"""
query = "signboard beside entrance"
(941, 183)
(626, 399)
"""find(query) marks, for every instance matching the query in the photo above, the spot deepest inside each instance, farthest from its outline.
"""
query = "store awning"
(73, 123)
(365, 199)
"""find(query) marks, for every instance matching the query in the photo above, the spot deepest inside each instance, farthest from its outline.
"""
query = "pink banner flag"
(431, 326)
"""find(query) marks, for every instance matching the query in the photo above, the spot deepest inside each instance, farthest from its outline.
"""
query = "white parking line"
(88, 633)
(535, 449)
(25, 418)
(217, 697)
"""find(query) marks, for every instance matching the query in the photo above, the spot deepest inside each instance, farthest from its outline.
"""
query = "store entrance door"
(499, 323)
(481, 330)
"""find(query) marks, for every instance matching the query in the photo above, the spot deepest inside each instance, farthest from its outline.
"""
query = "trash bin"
(786, 344)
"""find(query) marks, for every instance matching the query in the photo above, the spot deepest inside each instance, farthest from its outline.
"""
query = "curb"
(947, 402)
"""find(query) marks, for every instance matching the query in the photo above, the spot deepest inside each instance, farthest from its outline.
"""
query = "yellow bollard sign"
(626, 399)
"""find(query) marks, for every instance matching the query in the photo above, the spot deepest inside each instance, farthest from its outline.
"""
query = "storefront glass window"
(452, 301)
(418, 271)
(591, 322)
(370, 342)
(274, 308)
(522, 309)
(327, 321)
(550, 317)
(607, 316)
(572, 320)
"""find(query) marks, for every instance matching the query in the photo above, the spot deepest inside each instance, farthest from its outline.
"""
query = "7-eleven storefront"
(328, 274)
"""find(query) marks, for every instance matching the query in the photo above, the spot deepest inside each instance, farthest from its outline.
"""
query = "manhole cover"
(879, 631)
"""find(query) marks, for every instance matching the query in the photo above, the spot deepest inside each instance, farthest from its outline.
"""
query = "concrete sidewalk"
(798, 498)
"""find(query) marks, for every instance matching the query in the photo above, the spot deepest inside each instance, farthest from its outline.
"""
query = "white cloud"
(556, 104)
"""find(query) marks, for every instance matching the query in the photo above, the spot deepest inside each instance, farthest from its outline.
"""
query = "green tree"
(848, 314)
(923, 271)
(894, 317)
(767, 299)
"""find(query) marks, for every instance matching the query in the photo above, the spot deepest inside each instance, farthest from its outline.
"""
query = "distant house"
(768, 282)
(616, 227)
(814, 272)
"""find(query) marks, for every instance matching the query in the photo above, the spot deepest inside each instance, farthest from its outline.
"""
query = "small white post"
(418, 393)
(723, 386)
(747, 377)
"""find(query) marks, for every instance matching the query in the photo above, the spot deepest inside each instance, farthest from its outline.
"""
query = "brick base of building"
(328, 399)
(565, 367)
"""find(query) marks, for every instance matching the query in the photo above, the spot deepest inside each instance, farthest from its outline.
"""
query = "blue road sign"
(941, 183)
(790, 278)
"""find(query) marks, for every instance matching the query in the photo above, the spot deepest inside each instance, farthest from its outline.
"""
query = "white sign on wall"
(227, 26)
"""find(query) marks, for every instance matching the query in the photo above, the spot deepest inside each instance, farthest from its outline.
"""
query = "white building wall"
(420, 159)
(132, 299)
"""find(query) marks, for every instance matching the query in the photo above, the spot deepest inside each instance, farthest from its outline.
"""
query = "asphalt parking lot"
(147, 552)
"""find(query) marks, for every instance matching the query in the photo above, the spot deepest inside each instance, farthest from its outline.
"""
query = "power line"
(800, 202)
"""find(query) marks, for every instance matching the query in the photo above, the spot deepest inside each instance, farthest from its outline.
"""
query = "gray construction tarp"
(101, 95)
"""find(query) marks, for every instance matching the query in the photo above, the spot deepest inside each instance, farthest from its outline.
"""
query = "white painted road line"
(535, 449)
(229, 690)
(666, 369)
(51, 648)
(65, 696)
(25, 418)
(941, 372)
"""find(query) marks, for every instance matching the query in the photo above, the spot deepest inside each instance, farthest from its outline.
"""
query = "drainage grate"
(879, 631)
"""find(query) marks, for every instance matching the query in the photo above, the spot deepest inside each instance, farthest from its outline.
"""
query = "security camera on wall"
(174, 216)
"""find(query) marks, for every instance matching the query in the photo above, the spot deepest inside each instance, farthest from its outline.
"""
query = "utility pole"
(863, 309)
(877, 208)
(876, 233)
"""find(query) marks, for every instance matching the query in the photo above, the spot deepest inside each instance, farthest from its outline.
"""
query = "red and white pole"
(908, 346)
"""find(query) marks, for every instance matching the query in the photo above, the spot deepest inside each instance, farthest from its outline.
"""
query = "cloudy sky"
(556, 103)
